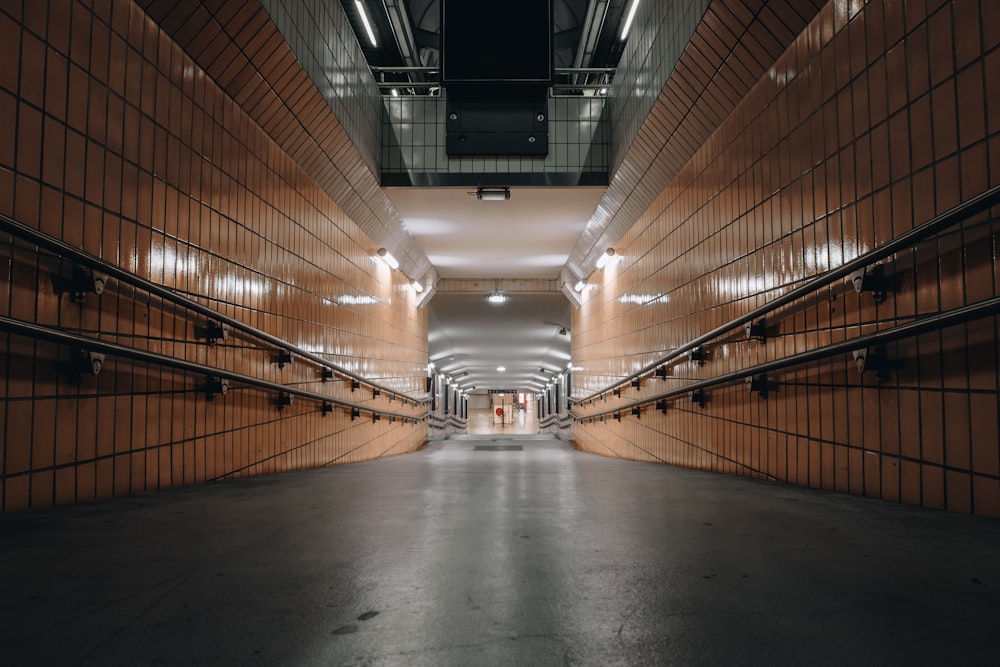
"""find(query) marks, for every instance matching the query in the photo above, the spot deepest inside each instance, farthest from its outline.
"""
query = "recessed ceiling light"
(493, 194)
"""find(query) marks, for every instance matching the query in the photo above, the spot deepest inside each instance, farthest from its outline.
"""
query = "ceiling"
(470, 339)
(528, 237)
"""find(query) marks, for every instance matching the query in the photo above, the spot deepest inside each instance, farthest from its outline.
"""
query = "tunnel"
(428, 332)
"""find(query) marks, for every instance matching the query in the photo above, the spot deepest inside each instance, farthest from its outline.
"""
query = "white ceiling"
(528, 236)
(467, 335)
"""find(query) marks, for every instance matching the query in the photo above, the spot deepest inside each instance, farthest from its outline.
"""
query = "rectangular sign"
(501, 391)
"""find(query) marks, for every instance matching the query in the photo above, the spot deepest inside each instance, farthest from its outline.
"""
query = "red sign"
(499, 412)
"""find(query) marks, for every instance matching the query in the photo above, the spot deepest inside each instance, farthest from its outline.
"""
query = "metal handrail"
(63, 249)
(62, 337)
(916, 327)
(942, 221)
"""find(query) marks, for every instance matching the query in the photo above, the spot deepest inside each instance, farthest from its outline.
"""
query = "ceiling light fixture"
(388, 258)
(501, 369)
(395, 93)
(629, 18)
(496, 298)
(605, 258)
(417, 286)
(492, 194)
(580, 286)
(368, 25)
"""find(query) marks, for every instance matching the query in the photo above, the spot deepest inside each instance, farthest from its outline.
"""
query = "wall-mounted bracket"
(756, 330)
(637, 383)
(618, 416)
(216, 387)
(284, 400)
(872, 359)
(216, 331)
(355, 413)
(326, 374)
(82, 281)
(870, 279)
(376, 392)
(282, 358)
(698, 355)
(661, 405)
(326, 409)
(698, 397)
(662, 372)
(355, 385)
(376, 417)
(617, 391)
(85, 362)
(759, 384)
(637, 411)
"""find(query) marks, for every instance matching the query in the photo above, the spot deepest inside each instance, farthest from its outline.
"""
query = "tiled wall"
(239, 47)
(413, 139)
(879, 116)
(659, 34)
(709, 58)
(320, 35)
(113, 139)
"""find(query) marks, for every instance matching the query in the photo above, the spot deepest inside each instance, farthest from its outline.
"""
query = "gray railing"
(216, 379)
(63, 249)
(949, 218)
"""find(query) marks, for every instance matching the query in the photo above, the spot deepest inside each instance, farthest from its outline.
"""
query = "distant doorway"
(511, 414)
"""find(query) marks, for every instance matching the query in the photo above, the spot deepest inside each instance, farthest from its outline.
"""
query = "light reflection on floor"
(521, 422)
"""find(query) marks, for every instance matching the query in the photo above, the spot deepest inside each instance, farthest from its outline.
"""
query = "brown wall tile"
(889, 124)
(112, 122)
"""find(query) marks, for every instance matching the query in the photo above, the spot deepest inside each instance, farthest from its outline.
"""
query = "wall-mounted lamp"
(417, 286)
(388, 258)
(580, 286)
(605, 258)
(493, 194)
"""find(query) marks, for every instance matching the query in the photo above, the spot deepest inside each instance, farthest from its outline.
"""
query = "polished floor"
(498, 551)
(512, 422)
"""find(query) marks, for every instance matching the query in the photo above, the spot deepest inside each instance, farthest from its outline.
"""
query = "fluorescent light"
(493, 194)
(395, 93)
(388, 258)
(628, 20)
(496, 297)
(501, 369)
(608, 254)
(368, 26)
(603, 91)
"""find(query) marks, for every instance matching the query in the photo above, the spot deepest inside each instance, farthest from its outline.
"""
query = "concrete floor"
(452, 556)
